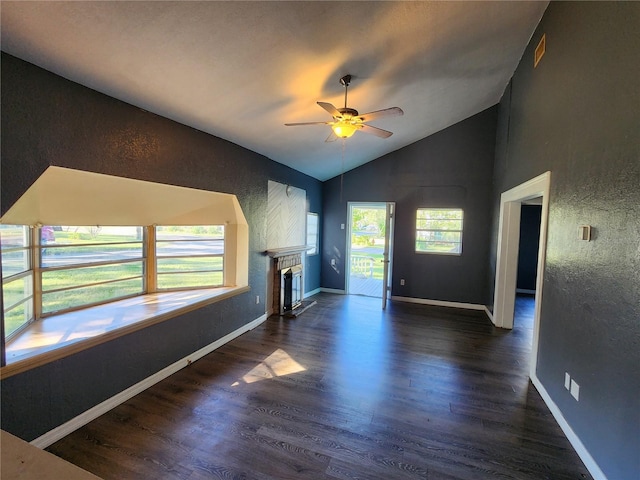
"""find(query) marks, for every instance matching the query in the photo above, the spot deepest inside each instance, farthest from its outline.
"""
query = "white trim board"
(489, 313)
(507, 256)
(574, 440)
(440, 303)
(312, 292)
(525, 291)
(333, 290)
(75, 423)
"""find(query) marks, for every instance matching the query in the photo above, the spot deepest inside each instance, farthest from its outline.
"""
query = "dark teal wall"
(451, 168)
(578, 115)
(47, 120)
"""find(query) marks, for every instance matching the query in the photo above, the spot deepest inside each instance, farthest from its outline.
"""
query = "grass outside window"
(82, 266)
(17, 278)
(189, 257)
(439, 231)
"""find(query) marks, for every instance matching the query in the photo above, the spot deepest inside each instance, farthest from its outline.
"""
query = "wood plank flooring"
(345, 391)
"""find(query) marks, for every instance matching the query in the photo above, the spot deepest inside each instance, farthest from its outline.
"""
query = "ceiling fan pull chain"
(344, 146)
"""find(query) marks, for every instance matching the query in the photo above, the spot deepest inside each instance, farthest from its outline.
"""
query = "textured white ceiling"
(240, 70)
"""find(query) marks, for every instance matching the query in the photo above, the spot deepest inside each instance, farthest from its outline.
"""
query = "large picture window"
(81, 266)
(439, 231)
(64, 250)
(189, 257)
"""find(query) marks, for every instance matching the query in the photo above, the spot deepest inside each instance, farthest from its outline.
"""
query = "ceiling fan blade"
(378, 132)
(387, 112)
(307, 123)
(332, 137)
(333, 111)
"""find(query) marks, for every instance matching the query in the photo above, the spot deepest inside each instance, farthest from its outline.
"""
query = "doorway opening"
(507, 256)
(528, 247)
(369, 249)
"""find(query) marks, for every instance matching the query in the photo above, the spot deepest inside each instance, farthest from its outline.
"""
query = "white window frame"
(35, 297)
(28, 298)
(313, 243)
(208, 255)
(434, 230)
(41, 270)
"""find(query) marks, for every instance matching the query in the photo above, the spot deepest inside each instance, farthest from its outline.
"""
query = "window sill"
(59, 336)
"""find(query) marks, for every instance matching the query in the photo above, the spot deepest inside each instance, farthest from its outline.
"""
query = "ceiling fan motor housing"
(346, 80)
(349, 112)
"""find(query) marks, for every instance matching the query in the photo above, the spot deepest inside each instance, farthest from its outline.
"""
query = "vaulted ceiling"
(241, 70)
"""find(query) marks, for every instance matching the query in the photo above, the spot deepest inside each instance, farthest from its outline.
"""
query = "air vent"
(540, 49)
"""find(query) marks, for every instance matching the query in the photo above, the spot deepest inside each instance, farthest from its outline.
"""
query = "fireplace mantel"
(285, 251)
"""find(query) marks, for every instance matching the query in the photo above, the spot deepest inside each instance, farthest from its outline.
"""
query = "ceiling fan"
(346, 121)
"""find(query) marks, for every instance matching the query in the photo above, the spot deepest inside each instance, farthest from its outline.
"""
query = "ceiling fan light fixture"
(344, 129)
(345, 121)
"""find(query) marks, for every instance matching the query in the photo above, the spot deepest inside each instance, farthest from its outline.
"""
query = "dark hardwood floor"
(345, 391)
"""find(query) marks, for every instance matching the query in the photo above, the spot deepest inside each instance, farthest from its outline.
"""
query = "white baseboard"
(489, 314)
(577, 445)
(66, 428)
(524, 290)
(312, 292)
(332, 290)
(439, 303)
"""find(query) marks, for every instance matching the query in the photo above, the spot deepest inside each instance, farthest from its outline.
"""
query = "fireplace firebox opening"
(290, 288)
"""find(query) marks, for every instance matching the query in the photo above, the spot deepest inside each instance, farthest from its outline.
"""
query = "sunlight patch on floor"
(277, 364)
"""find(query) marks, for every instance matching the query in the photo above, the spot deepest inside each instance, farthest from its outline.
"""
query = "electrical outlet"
(575, 390)
(567, 380)
(402, 281)
(257, 299)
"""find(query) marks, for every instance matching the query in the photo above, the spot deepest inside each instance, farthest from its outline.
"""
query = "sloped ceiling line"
(241, 70)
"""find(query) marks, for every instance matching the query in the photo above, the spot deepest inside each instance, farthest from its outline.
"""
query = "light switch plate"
(575, 390)
(584, 232)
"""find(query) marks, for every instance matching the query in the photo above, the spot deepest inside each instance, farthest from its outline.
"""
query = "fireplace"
(290, 288)
(287, 280)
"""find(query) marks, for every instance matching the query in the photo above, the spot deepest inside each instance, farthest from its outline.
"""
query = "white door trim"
(507, 255)
(373, 205)
(388, 252)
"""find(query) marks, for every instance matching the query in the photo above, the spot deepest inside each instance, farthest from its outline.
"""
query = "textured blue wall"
(578, 115)
(451, 168)
(47, 120)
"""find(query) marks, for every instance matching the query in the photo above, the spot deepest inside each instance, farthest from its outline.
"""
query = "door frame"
(387, 258)
(507, 255)
(388, 246)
